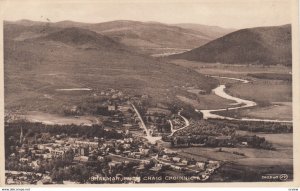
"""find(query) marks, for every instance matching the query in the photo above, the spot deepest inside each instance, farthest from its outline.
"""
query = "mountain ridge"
(260, 45)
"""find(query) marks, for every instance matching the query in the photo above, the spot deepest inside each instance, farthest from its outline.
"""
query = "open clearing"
(210, 101)
(282, 139)
(280, 111)
(52, 119)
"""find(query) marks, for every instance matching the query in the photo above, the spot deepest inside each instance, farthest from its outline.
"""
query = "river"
(220, 91)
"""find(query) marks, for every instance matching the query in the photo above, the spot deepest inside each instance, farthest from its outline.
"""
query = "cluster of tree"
(201, 140)
(17, 166)
(225, 141)
(202, 127)
(255, 126)
(187, 111)
(36, 129)
(255, 141)
(271, 76)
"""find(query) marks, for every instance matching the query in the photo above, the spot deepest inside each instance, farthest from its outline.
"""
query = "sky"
(224, 13)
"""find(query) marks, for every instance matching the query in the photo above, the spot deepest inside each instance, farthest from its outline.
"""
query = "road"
(148, 135)
(187, 123)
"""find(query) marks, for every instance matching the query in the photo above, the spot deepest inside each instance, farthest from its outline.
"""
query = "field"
(263, 91)
(206, 101)
(279, 140)
(282, 111)
(56, 119)
(231, 70)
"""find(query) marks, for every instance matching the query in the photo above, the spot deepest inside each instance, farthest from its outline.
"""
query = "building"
(56, 153)
(24, 160)
(200, 165)
(81, 159)
(176, 159)
(111, 107)
(83, 151)
(92, 144)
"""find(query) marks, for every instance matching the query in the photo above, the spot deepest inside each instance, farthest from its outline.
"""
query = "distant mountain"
(262, 45)
(145, 37)
(211, 31)
(150, 37)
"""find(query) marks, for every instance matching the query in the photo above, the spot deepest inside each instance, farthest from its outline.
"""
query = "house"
(47, 180)
(47, 156)
(93, 144)
(56, 153)
(114, 164)
(111, 107)
(176, 167)
(126, 153)
(145, 161)
(128, 140)
(165, 157)
(209, 171)
(83, 151)
(124, 108)
(24, 160)
(185, 162)
(144, 151)
(137, 156)
(101, 158)
(35, 164)
(81, 159)
(141, 167)
(41, 147)
(155, 168)
(126, 162)
(200, 165)
(176, 159)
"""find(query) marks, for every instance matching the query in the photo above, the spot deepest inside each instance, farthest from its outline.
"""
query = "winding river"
(219, 91)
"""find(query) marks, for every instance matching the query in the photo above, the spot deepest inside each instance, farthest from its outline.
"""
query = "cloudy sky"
(224, 13)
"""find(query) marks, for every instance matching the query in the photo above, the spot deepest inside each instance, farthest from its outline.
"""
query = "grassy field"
(275, 110)
(280, 111)
(230, 70)
(209, 101)
(56, 119)
(279, 140)
(263, 91)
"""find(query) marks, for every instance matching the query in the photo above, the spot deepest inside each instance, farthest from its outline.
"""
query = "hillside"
(262, 45)
(35, 67)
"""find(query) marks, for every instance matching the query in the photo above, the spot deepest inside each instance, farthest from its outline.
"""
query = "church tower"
(21, 136)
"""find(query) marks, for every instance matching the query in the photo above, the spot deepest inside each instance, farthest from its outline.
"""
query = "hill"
(82, 37)
(60, 58)
(262, 45)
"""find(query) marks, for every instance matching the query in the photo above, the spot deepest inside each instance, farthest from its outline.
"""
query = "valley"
(147, 98)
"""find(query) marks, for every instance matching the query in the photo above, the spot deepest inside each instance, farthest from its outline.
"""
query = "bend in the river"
(219, 91)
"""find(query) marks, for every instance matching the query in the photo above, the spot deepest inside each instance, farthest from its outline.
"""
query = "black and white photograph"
(148, 92)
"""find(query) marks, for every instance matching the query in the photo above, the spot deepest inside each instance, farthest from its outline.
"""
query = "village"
(121, 149)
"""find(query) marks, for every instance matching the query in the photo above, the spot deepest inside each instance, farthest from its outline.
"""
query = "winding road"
(187, 123)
